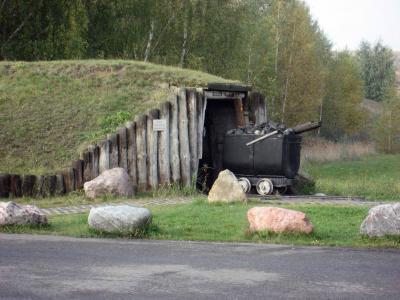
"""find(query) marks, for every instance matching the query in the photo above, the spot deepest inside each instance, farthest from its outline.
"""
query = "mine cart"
(266, 157)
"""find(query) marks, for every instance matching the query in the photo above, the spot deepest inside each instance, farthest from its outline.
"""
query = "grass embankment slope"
(51, 110)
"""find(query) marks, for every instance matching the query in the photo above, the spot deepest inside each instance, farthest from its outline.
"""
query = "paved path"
(44, 267)
(139, 202)
(182, 200)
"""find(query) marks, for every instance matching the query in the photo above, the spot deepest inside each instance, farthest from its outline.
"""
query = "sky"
(347, 22)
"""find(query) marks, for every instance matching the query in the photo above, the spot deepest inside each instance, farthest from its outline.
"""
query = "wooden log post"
(38, 187)
(15, 186)
(69, 181)
(114, 154)
(60, 186)
(184, 149)
(152, 150)
(174, 141)
(50, 184)
(4, 185)
(131, 152)
(96, 161)
(46, 186)
(200, 124)
(193, 118)
(104, 156)
(164, 147)
(87, 168)
(240, 121)
(78, 165)
(28, 183)
(122, 148)
(141, 150)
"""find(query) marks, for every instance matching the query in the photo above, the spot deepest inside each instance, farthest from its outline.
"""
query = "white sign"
(159, 125)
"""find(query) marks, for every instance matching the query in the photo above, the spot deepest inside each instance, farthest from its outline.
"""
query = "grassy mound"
(51, 110)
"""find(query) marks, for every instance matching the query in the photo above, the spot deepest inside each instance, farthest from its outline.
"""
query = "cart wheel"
(245, 183)
(264, 187)
(281, 190)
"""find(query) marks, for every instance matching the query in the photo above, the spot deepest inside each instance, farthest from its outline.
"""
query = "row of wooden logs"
(151, 158)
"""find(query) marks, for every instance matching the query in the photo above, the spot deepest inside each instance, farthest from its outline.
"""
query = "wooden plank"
(174, 141)
(4, 185)
(15, 186)
(141, 150)
(78, 165)
(96, 161)
(240, 122)
(152, 150)
(114, 154)
(122, 148)
(184, 150)
(163, 147)
(28, 182)
(131, 152)
(104, 157)
(192, 120)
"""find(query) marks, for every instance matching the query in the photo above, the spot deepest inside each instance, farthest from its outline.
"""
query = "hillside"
(50, 110)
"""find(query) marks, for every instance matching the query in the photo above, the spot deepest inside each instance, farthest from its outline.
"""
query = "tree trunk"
(148, 47)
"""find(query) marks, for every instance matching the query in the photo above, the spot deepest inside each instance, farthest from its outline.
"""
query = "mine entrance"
(226, 109)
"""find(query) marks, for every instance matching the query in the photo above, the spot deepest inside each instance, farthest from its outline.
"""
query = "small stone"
(278, 220)
(12, 213)
(114, 182)
(320, 195)
(226, 189)
(119, 219)
(382, 220)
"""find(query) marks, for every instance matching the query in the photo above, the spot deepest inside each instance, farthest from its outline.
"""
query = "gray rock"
(382, 220)
(320, 195)
(114, 182)
(12, 213)
(121, 219)
(226, 189)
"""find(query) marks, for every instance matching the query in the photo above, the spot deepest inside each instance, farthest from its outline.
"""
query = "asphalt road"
(41, 267)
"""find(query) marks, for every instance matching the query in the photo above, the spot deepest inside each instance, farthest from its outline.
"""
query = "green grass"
(49, 111)
(334, 226)
(374, 177)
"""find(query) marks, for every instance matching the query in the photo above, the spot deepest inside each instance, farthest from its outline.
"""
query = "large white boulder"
(382, 220)
(278, 220)
(226, 189)
(115, 182)
(14, 214)
(120, 219)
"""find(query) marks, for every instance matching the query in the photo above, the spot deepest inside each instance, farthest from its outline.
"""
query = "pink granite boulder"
(278, 220)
